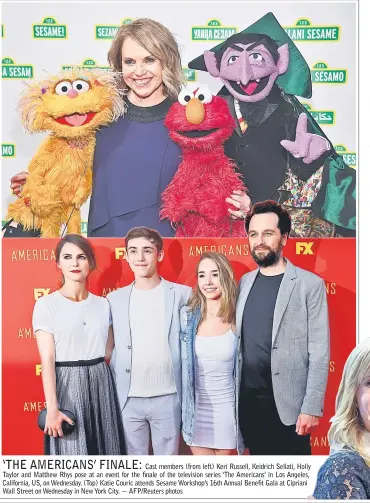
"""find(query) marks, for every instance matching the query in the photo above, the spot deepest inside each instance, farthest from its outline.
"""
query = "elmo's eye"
(204, 95)
(81, 86)
(63, 87)
(185, 96)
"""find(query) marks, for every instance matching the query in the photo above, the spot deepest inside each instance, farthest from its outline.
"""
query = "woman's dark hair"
(284, 223)
(82, 243)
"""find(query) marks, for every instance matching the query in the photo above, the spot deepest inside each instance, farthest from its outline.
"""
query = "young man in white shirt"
(146, 359)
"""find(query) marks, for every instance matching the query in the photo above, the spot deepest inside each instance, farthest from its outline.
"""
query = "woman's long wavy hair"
(159, 41)
(347, 427)
(228, 289)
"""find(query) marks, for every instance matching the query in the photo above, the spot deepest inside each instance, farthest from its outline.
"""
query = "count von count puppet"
(70, 106)
(278, 147)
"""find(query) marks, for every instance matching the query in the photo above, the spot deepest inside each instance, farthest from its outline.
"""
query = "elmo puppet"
(195, 200)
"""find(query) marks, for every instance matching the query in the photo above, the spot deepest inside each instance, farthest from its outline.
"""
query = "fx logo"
(38, 369)
(40, 292)
(120, 252)
(303, 248)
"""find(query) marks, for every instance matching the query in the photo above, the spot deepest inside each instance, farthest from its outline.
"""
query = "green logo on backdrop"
(324, 117)
(84, 228)
(50, 29)
(212, 31)
(2, 31)
(9, 70)
(7, 150)
(88, 63)
(350, 158)
(190, 75)
(304, 31)
(322, 74)
(108, 32)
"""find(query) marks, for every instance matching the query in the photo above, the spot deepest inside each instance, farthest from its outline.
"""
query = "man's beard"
(270, 259)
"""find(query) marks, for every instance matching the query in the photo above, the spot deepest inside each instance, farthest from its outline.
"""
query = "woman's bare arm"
(54, 418)
(110, 344)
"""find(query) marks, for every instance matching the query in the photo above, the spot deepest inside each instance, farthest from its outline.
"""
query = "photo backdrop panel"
(42, 38)
(29, 272)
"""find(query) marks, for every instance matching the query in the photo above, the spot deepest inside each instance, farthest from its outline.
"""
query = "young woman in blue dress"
(211, 360)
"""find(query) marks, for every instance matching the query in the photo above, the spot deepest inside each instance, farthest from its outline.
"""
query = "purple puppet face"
(249, 70)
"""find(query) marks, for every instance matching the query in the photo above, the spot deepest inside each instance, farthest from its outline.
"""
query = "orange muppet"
(71, 106)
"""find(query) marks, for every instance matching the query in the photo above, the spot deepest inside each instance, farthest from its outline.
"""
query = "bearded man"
(282, 319)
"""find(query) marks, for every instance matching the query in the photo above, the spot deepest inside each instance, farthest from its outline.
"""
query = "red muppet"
(197, 201)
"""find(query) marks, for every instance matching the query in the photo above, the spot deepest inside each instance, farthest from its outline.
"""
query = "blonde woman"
(135, 159)
(346, 473)
(210, 354)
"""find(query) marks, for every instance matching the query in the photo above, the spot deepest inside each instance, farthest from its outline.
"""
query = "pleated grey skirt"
(87, 389)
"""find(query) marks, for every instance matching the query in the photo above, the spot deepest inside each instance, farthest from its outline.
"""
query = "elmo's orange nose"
(195, 111)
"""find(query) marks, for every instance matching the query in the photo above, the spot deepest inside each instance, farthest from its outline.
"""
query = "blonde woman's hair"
(347, 427)
(159, 41)
(227, 285)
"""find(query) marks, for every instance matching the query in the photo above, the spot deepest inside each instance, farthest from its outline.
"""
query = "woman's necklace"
(84, 306)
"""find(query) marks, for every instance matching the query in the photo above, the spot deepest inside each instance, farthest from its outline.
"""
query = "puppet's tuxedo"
(258, 154)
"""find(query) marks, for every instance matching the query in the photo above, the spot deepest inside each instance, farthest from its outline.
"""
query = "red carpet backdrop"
(29, 271)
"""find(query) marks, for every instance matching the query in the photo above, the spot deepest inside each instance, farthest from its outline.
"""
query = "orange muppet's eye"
(81, 86)
(63, 87)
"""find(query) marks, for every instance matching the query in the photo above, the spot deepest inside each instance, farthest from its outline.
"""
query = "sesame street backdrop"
(48, 37)
(29, 272)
